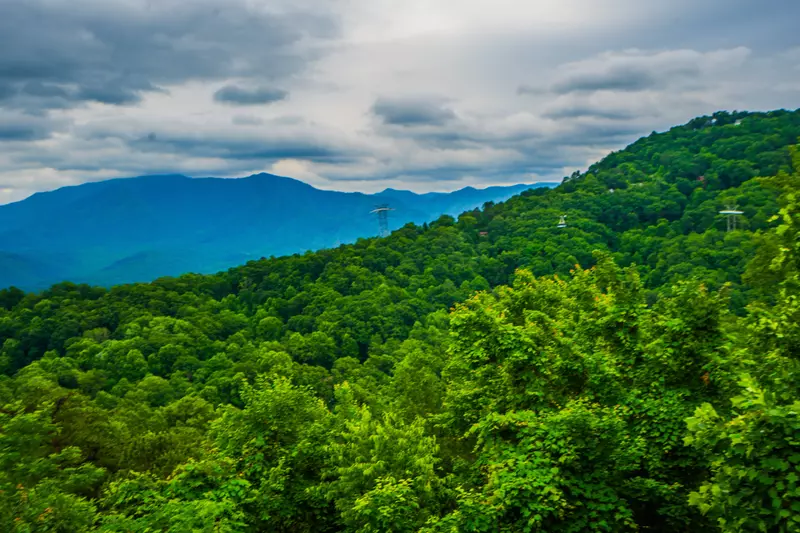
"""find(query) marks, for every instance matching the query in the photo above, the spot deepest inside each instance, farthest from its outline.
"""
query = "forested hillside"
(634, 371)
(140, 229)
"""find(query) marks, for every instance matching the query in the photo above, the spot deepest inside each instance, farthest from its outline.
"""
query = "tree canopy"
(634, 371)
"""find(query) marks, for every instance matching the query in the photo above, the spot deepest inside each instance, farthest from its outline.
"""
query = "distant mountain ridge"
(137, 229)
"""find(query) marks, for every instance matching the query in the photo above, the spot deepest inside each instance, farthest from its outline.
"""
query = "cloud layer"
(234, 95)
(359, 95)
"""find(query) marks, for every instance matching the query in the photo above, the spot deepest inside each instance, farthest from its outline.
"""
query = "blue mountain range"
(139, 229)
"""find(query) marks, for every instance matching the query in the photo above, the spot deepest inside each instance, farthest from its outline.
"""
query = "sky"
(360, 95)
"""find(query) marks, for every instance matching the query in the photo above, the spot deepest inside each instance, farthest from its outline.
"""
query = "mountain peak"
(137, 229)
(267, 178)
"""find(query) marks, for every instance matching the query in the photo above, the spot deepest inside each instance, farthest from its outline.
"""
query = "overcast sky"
(368, 94)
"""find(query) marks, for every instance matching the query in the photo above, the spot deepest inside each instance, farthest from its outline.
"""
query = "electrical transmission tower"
(383, 218)
(732, 212)
(562, 221)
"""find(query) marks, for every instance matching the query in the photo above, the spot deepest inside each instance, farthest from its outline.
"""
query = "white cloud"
(408, 94)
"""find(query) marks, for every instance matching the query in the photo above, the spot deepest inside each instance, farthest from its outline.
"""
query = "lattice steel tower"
(732, 213)
(383, 218)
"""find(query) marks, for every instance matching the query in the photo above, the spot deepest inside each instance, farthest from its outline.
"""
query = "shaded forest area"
(634, 371)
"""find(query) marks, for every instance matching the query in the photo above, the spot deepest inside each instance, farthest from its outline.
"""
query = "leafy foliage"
(635, 371)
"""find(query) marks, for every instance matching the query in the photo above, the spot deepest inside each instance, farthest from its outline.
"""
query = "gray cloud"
(56, 54)
(235, 95)
(583, 135)
(109, 94)
(22, 132)
(638, 70)
(236, 149)
(242, 120)
(42, 90)
(589, 80)
(37, 97)
(411, 112)
(587, 111)
(24, 127)
(530, 89)
(228, 145)
(614, 78)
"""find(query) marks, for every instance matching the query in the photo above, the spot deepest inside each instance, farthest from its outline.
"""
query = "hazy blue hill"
(27, 271)
(137, 229)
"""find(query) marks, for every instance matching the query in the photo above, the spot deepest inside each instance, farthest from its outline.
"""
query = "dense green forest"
(634, 371)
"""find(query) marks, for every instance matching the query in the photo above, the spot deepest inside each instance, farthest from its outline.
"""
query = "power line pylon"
(732, 212)
(383, 218)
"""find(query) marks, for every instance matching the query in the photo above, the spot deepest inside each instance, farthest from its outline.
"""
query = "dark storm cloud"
(113, 52)
(234, 95)
(411, 112)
